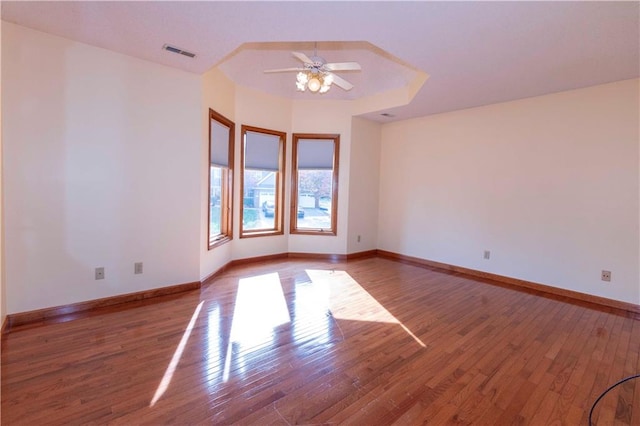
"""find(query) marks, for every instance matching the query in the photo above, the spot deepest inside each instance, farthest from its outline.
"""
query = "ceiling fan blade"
(343, 66)
(302, 57)
(341, 82)
(283, 70)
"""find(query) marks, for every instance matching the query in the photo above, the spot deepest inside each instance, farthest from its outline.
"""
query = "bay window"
(221, 143)
(314, 184)
(262, 182)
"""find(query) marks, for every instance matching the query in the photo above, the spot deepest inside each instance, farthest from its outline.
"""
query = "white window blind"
(219, 144)
(261, 151)
(315, 154)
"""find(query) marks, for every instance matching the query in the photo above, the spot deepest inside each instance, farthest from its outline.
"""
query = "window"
(314, 184)
(262, 177)
(221, 133)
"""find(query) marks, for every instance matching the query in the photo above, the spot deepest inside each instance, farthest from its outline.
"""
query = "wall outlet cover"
(100, 273)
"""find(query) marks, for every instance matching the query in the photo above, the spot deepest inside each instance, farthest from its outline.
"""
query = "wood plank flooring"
(363, 342)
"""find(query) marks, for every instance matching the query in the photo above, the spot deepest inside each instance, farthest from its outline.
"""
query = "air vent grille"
(174, 49)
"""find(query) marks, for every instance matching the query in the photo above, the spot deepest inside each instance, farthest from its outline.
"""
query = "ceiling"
(382, 71)
(475, 53)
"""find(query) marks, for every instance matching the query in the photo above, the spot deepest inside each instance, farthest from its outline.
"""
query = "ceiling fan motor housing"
(317, 62)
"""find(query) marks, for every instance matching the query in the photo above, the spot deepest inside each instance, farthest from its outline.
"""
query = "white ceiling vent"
(174, 49)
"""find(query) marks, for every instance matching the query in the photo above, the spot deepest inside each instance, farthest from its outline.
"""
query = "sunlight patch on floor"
(260, 308)
(214, 345)
(175, 359)
(335, 286)
(312, 314)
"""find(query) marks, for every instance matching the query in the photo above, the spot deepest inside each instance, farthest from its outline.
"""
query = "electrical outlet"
(606, 275)
(137, 268)
(487, 254)
(358, 238)
(100, 273)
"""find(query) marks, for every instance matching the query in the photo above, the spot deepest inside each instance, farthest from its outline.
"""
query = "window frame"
(278, 220)
(293, 214)
(226, 203)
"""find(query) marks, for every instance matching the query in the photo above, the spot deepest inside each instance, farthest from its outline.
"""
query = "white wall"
(100, 149)
(258, 109)
(249, 107)
(364, 185)
(218, 93)
(3, 299)
(102, 153)
(326, 117)
(548, 184)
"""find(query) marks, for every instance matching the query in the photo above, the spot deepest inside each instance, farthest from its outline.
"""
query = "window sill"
(219, 241)
(260, 233)
(323, 232)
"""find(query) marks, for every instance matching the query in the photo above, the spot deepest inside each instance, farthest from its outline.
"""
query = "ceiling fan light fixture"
(317, 75)
(302, 77)
(326, 83)
(328, 79)
(301, 81)
(314, 83)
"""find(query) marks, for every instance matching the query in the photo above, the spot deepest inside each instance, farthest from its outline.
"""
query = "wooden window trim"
(226, 220)
(293, 214)
(278, 228)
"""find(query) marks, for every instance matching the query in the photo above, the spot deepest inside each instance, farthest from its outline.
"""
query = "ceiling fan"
(317, 75)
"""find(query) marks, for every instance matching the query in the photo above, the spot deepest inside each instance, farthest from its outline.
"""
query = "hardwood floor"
(363, 342)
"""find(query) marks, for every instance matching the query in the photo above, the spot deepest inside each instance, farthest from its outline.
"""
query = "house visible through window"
(221, 135)
(315, 184)
(262, 182)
